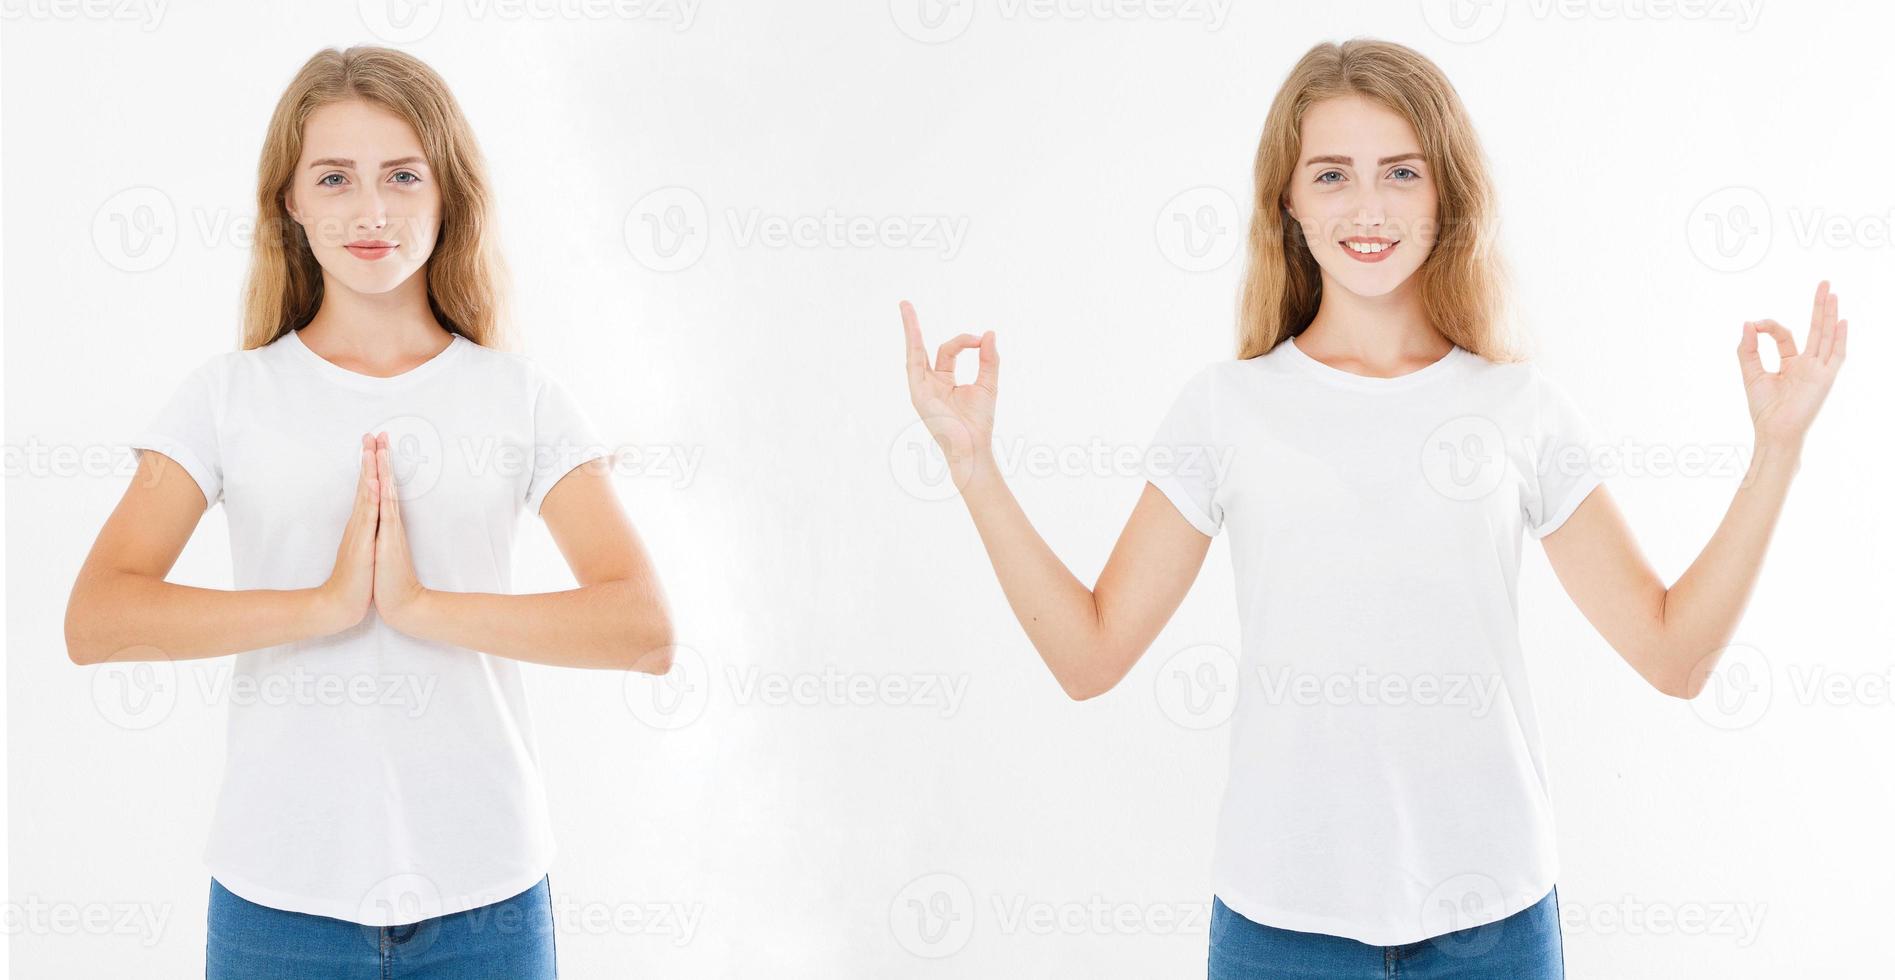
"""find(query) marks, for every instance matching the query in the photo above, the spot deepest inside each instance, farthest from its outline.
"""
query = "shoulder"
(215, 371)
(1528, 394)
(1226, 371)
(1519, 371)
(505, 367)
(1500, 379)
(1229, 376)
(524, 378)
(251, 361)
(225, 363)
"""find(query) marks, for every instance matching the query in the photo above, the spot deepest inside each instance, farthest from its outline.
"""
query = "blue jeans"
(511, 939)
(1523, 946)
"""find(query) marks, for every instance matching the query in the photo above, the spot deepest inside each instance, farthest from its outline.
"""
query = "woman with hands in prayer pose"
(381, 811)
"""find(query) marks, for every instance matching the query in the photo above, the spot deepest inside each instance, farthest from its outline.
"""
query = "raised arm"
(121, 609)
(1673, 637)
(1089, 638)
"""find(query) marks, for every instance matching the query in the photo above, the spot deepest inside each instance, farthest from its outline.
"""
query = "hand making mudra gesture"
(373, 565)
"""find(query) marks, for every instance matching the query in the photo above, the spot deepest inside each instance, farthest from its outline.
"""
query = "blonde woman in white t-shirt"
(381, 812)
(1379, 450)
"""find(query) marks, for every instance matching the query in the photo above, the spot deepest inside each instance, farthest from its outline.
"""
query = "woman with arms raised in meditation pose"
(1378, 452)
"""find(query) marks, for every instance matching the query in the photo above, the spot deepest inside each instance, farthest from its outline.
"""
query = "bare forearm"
(121, 617)
(1059, 613)
(1702, 609)
(618, 625)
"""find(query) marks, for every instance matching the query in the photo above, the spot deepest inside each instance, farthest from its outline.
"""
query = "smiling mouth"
(1368, 249)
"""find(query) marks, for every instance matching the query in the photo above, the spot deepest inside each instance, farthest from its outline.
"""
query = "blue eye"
(324, 181)
(416, 176)
(1408, 170)
(1320, 176)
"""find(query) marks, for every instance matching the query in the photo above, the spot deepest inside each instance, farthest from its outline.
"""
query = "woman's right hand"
(961, 417)
(350, 590)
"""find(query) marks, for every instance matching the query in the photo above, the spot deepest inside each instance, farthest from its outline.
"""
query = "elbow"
(654, 660)
(1682, 688)
(88, 630)
(1084, 686)
(1676, 683)
(653, 645)
(1657, 663)
(78, 651)
(1683, 674)
(80, 648)
(1090, 669)
(1669, 688)
(84, 647)
(1081, 691)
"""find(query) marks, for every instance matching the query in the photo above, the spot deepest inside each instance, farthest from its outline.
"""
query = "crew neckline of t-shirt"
(1363, 382)
(337, 372)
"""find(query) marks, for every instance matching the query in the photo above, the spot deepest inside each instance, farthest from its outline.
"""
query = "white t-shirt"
(1386, 781)
(369, 775)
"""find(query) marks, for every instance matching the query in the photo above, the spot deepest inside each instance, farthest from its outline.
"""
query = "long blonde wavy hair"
(1462, 281)
(466, 275)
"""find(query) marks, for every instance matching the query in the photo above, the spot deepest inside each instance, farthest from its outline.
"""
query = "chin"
(374, 285)
(1374, 285)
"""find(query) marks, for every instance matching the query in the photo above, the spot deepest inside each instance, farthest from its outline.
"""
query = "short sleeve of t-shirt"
(563, 437)
(1183, 455)
(1566, 464)
(186, 428)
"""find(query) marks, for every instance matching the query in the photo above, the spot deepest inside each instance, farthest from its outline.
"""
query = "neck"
(1387, 334)
(376, 327)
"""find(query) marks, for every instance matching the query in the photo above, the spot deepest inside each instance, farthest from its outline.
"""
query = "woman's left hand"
(398, 594)
(1783, 403)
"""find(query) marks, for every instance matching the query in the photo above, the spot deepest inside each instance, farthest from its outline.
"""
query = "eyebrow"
(1350, 161)
(339, 162)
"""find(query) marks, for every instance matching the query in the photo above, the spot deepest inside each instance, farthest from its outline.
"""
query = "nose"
(1368, 210)
(374, 216)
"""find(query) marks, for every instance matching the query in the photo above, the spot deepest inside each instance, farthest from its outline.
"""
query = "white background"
(1741, 837)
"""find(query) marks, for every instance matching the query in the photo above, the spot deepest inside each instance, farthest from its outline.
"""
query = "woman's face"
(1362, 182)
(365, 197)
